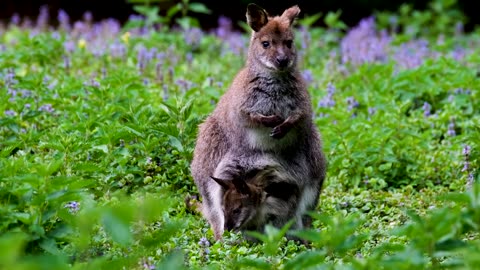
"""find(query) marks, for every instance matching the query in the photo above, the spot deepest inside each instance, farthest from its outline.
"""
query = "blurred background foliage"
(352, 11)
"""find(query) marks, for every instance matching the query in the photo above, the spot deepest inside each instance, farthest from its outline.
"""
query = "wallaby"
(257, 198)
(267, 109)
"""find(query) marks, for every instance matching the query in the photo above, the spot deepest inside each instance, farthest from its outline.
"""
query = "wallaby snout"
(282, 61)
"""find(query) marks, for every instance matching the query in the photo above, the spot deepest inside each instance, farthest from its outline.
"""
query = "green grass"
(395, 197)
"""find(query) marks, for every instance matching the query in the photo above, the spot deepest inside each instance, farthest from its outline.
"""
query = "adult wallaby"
(267, 109)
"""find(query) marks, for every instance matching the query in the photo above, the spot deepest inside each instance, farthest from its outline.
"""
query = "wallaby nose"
(282, 61)
(228, 226)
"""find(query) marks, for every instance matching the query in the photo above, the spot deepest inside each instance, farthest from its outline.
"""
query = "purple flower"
(412, 54)
(69, 46)
(458, 91)
(466, 150)
(64, 20)
(307, 76)
(352, 103)
(46, 79)
(458, 53)
(142, 59)
(306, 37)
(47, 108)
(427, 109)
(52, 85)
(26, 93)
(79, 28)
(72, 207)
(470, 180)
(104, 72)
(459, 28)
(184, 85)
(118, 50)
(331, 89)
(15, 19)
(466, 166)
(43, 17)
(165, 92)
(451, 129)
(204, 242)
(371, 110)
(189, 58)
(224, 27)
(158, 71)
(10, 77)
(328, 100)
(88, 17)
(95, 83)
(55, 35)
(135, 17)
(10, 113)
(147, 264)
(171, 73)
(66, 63)
(362, 44)
(193, 37)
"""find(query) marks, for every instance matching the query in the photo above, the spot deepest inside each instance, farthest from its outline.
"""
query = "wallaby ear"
(226, 184)
(291, 14)
(241, 186)
(257, 17)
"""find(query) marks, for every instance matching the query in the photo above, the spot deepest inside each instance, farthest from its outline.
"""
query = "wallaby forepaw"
(271, 120)
(267, 121)
(278, 132)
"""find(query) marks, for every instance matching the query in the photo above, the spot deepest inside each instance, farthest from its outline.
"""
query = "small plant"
(152, 17)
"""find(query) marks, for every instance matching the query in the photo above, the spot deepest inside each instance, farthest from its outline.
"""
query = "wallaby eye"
(288, 43)
(236, 211)
(265, 44)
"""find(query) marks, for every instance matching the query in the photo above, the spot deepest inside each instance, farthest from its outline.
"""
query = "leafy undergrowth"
(98, 125)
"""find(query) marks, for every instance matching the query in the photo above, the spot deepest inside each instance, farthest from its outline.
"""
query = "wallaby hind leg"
(212, 210)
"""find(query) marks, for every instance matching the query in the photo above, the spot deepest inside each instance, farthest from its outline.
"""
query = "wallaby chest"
(272, 96)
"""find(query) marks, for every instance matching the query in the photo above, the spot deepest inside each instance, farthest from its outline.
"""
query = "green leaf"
(308, 21)
(199, 8)
(311, 235)
(254, 263)
(305, 260)
(172, 261)
(50, 246)
(102, 147)
(11, 247)
(118, 229)
(175, 142)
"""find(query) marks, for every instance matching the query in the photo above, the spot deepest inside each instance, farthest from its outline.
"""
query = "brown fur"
(263, 198)
(267, 109)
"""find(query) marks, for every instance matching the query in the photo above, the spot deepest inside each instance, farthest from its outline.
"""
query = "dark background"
(352, 10)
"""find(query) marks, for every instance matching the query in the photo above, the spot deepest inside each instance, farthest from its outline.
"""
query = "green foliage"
(441, 17)
(182, 8)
